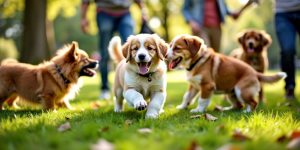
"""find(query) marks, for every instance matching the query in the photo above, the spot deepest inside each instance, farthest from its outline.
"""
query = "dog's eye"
(135, 48)
(150, 48)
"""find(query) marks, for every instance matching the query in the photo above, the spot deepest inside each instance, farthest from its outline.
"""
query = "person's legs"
(125, 26)
(106, 27)
(286, 34)
(215, 38)
(204, 34)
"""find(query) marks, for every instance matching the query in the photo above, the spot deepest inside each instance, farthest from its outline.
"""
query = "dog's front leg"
(204, 99)
(188, 97)
(135, 99)
(156, 104)
(65, 104)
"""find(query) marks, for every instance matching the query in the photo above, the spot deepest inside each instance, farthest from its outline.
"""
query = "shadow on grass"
(12, 114)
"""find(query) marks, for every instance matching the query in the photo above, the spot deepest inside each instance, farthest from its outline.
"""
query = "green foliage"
(35, 129)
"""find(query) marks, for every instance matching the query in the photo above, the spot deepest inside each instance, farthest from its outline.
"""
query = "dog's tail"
(114, 49)
(8, 61)
(271, 78)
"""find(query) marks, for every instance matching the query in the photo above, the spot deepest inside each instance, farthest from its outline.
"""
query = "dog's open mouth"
(175, 62)
(144, 67)
(89, 70)
(250, 48)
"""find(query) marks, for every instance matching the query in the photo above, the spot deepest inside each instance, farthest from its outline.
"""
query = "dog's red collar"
(58, 70)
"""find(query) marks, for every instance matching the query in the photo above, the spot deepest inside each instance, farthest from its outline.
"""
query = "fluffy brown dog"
(213, 72)
(253, 51)
(51, 84)
(140, 73)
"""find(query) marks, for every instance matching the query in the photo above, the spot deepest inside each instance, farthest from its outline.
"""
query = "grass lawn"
(34, 129)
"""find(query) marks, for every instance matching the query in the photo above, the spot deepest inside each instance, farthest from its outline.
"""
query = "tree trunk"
(34, 44)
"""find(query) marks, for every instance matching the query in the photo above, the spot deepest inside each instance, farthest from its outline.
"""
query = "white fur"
(283, 75)
(194, 80)
(188, 98)
(238, 93)
(248, 109)
(202, 105)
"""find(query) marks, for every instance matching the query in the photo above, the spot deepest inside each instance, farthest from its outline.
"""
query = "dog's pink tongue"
(250, 50)
(171, 65)
(143, 68)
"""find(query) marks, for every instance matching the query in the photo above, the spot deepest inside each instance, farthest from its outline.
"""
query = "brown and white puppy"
(51, 84)
(140, 73)
(212, 72)
(253, 51)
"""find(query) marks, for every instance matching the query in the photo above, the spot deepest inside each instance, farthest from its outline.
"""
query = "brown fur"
(43, 84)
(257, 57)
(217, 72)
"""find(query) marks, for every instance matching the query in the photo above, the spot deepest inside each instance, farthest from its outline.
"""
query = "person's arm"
(142, 7)
(186, 10)
(84, 23)
(235, 15)
(189, 19)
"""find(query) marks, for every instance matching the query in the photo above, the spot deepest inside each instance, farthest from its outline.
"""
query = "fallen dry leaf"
(196, 116)
(294, 144)
(128, 122)
(295, 134)
(95, 105)
(102, 144)
(194, 146)
(144, 130)
(206, 116)
(281, 138)
(104, 129)
(67, 118)
(220, 128)
(210, 117)
(219, 108)
(64, 127)
(229, 147)
(239, 136)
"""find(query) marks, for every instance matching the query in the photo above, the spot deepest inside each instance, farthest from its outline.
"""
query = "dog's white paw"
(181, 106)
(140, 105)
(117, 110)
(152, 115)
(197, 110)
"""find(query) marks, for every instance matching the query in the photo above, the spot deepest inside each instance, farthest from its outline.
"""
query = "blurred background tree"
(62, 25)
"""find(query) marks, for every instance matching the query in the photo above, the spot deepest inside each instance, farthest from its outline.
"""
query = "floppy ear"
(162, 47)
(193, 43)
(72, 52)
(266, 38)
(241, 37)
(126, 50)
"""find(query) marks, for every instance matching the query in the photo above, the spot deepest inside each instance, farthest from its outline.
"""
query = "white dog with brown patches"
(210, 72)
(140, 73)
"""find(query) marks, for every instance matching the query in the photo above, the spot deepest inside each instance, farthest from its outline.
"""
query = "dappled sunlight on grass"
(94, 119)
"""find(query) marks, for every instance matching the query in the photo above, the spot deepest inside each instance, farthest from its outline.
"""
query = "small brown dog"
(253, 51)
(209, 72)
(51, 84)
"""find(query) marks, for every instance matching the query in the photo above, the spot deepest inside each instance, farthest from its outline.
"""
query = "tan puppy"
(253, 51)
(213, 72)
(51, 84)
(141, 73)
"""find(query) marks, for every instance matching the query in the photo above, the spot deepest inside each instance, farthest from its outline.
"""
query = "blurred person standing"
(205, 18)
(287, 25)
(112, 16)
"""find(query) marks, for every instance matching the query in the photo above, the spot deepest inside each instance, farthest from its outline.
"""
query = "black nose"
(142, 56)
(251, 45)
